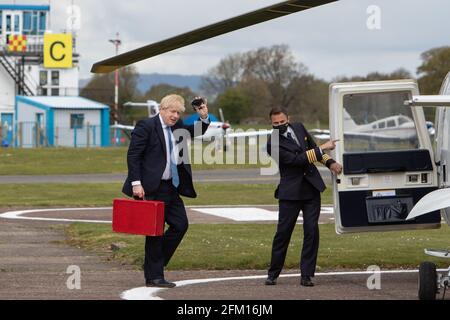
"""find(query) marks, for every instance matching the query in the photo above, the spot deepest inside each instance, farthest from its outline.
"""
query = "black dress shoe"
(306, 282)
(160, 283)
(270, 281)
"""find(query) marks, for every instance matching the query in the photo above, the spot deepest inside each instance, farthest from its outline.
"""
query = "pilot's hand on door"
(336, 168)
(138, 192)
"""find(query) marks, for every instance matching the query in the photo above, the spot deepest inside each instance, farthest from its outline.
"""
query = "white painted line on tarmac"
(17, 215)
(144, 293)
(326, 210)
(241, 214)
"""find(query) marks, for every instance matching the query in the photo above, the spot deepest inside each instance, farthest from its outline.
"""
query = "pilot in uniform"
(299, 190)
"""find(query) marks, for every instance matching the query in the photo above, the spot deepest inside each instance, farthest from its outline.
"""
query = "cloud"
(330, 40)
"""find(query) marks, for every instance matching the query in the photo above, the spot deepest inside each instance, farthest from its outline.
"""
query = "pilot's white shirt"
(289, 130)
(295, 137)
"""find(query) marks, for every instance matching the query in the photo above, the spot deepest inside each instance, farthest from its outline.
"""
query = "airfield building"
(39, 65)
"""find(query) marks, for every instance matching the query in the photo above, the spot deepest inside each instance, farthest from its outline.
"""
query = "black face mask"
(283, 128)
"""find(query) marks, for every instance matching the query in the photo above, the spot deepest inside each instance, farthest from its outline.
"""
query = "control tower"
(30, 56)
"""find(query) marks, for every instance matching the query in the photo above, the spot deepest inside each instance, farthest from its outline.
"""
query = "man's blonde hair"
(173, 101)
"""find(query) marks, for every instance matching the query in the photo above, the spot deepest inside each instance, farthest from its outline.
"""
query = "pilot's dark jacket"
(296, 164)
(299, 190)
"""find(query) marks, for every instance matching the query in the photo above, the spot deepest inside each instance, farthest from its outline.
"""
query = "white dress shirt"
(289, 130)
(169, 135)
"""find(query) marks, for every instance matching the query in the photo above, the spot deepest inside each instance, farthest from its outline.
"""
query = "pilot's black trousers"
(288, 215)
(159, 250)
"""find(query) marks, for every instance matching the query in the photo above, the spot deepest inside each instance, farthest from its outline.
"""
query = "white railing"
(35, 44)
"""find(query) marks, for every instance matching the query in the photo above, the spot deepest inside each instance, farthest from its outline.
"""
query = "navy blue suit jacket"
(296, 163)
(146, 156)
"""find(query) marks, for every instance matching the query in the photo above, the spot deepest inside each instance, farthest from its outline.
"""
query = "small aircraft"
(393, 128)
(216, 129)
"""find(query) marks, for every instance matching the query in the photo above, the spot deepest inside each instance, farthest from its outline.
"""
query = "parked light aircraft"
(217, 130)
(391, 188)
(392, 128)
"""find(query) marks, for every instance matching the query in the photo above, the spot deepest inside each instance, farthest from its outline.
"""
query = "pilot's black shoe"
(270, 281)
(160, 283)
(306, 281)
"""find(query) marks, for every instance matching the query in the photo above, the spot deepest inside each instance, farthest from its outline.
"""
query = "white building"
(23, 73)
(61, 122)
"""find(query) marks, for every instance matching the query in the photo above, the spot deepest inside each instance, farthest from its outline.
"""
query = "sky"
(331, 40)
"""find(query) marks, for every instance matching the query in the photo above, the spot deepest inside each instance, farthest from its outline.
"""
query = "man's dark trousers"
(159, 250)
(288, 215)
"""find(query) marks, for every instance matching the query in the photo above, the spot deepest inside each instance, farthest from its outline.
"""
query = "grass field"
(61, 161)
(82, 195)
(248, 246)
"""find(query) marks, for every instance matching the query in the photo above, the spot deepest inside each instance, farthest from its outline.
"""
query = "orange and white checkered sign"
(17, 43)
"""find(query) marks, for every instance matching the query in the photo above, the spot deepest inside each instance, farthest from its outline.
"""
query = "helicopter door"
(386, 155)
(442, 140)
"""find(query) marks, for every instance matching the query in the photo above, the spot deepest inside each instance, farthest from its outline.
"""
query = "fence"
(85, 137)
(32, 135)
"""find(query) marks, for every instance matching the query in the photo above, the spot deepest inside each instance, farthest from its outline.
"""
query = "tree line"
(247, 85)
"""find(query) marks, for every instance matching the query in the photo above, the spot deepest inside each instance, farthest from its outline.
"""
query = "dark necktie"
(173, 166)
(290, 137)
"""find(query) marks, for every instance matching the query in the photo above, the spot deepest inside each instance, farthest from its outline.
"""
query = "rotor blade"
(272, 12)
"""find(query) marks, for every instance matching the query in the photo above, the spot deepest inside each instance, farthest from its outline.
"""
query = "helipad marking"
(144, 293)
(17, 215)
(249, 214)
(241, 214)
(236, 213)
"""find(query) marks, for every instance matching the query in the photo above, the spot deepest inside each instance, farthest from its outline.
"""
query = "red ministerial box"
(138, 217)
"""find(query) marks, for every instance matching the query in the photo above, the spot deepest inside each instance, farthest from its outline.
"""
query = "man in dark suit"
(299, 189)
(157, 171)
